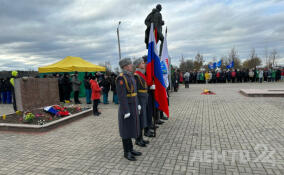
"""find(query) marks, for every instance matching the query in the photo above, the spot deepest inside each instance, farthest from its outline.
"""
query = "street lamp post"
(118, 40)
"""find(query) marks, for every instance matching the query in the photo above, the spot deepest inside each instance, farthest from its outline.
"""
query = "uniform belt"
(131, 95)
(142, 91)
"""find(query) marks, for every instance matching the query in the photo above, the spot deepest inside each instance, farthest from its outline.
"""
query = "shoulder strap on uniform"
(144, 85)
(126, 83)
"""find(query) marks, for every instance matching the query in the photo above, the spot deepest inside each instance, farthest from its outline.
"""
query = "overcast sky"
(35, 33)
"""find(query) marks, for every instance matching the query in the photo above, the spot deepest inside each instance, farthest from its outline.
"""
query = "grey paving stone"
(200, 128)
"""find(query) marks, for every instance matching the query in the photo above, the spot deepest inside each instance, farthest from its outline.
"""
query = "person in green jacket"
(257, 75)
(201, 78)
(273, 75)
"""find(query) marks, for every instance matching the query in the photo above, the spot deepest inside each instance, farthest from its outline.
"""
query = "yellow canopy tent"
(71, 64)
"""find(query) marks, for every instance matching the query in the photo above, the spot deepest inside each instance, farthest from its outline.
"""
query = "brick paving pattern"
(200, 129)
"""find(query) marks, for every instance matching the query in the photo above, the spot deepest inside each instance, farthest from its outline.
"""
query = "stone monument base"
(32, 93)
(262, 92)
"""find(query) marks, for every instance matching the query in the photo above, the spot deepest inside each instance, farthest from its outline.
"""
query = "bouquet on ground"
(28, 117)
(62, 111)
(207, 92)
(57, 110)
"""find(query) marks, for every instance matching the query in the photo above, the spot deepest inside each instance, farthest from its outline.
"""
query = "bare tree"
(252, 54)
(266, 59)
(198, 62)
(273, 58)
(107, 65)
(186, 65)
(233, 56)
(253, 61)
(225, 61)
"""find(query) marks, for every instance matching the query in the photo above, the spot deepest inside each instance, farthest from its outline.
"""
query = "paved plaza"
(226, 133)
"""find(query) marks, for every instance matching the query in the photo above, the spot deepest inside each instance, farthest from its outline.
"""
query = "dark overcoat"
(142, 91)
(128, 102)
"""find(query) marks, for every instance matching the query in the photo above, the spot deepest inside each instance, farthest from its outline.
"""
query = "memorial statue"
(155, 17)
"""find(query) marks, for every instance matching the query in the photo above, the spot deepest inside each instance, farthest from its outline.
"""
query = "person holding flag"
(154, 75)
(142, 94)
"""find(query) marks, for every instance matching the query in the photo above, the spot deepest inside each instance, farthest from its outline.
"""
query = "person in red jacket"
(96, 94)
(233, 75)
(218, 76)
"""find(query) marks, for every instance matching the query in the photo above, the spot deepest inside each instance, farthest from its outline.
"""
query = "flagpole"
(118, 40)
(170, 73)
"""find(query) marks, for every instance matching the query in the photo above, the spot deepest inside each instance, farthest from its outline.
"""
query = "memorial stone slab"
(34, 93)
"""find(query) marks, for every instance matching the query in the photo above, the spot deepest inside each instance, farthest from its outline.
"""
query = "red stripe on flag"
(167, 61)
(161, 97)
(150, 73)
(156, 34)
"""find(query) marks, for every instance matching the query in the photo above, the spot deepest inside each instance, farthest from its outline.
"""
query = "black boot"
(148, 133)
(127, 153)
(136, 153)
(164, 117)
(133, 152)
(160, 122)
(144, 141)
(139, 141)
(96, 113)
(129, 156)
(153, 127)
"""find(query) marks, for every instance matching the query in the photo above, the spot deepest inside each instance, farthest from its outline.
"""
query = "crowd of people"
(227, 76)
(69, 83)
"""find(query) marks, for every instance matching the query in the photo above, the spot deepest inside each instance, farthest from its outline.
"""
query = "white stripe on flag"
(165, 61)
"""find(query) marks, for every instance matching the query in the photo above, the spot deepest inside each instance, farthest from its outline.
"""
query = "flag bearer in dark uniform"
(142, 91)
(148, 130)
(129, 123)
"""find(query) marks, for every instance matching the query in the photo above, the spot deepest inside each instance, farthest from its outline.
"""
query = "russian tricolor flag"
(155, 76)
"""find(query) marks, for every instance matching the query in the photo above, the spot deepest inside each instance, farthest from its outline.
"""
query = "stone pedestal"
(34, 93)
(263, 92)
